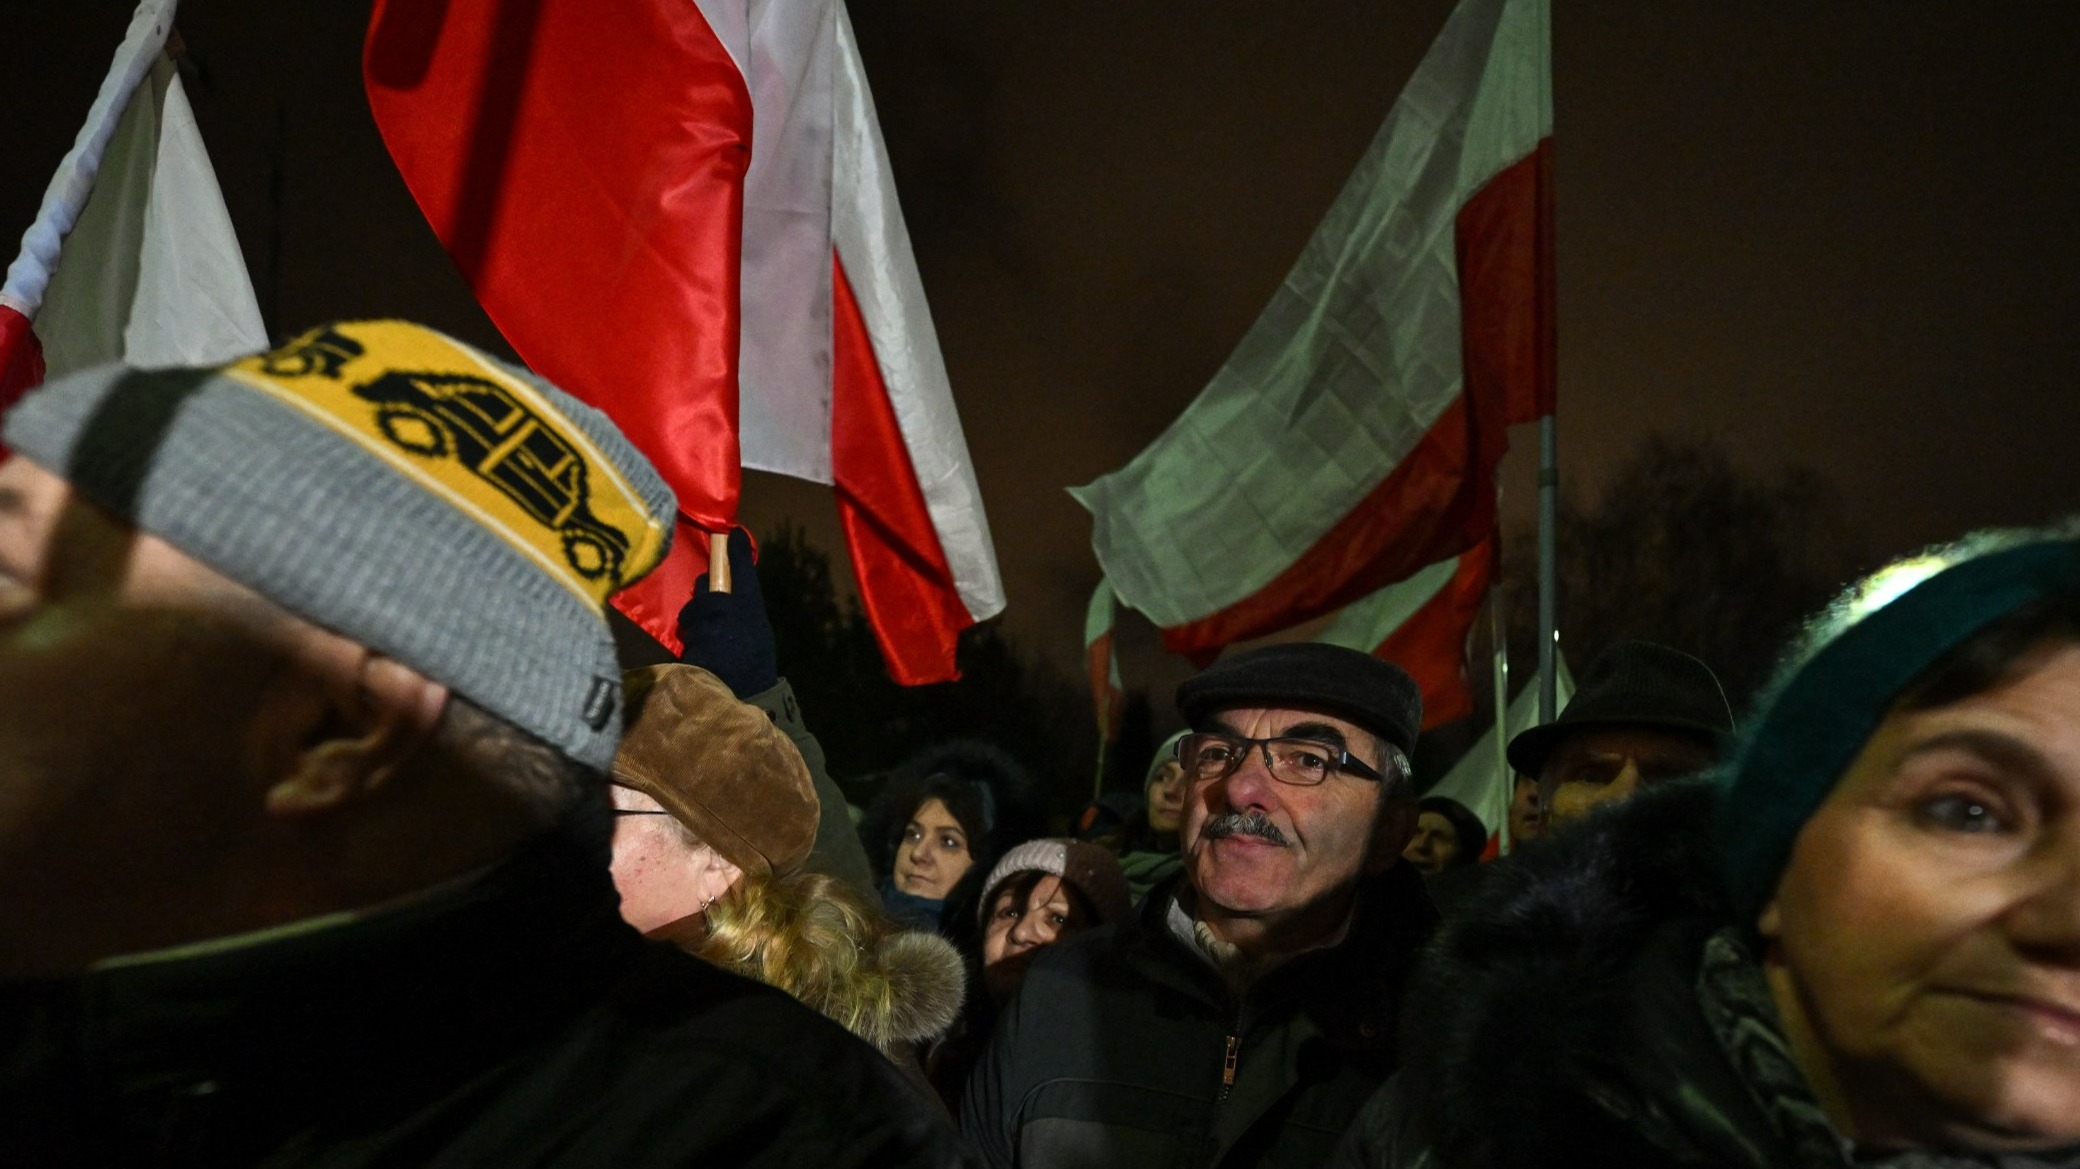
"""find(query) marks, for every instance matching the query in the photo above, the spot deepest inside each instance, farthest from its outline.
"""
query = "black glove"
(727, 634)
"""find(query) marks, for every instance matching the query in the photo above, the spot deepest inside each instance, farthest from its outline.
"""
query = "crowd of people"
(332, 832)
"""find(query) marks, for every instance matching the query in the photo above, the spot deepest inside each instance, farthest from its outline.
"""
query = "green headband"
(1824, 707)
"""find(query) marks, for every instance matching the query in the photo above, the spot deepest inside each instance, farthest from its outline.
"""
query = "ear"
(1390, 836)
(715, 875)
(379, 713)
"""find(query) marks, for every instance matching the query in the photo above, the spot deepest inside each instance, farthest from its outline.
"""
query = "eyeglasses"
(640, 812)
(1299, 762)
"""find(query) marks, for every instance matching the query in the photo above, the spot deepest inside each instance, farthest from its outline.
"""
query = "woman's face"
(1435, 844)
(1925, 939)
(1021, 923)
(933, 853)
(1166, 797)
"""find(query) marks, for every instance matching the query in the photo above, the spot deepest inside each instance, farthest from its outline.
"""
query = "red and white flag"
(1352, 438)
(642, 194)
(132, 256)
(1421, 624)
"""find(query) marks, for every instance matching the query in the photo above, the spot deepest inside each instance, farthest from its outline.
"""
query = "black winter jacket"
(513, 1022)
(1124, 1048)
(1556, 1020)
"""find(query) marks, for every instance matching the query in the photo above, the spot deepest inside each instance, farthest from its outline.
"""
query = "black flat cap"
(1634, 684)
(1377, 695)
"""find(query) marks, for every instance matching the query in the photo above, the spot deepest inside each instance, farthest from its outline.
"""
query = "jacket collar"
(1349, 988)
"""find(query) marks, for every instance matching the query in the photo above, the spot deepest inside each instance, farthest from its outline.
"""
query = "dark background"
(1833, 243)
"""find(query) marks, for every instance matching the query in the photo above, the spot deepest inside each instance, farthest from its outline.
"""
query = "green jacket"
(1124, 1048)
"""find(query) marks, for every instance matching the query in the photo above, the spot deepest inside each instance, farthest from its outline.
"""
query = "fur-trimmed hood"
(1561, 998)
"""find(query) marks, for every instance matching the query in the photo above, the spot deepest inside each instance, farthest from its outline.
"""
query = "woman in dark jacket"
(1859, 943)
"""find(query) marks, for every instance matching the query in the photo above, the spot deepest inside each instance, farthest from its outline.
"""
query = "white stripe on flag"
(1478, 780)
(151, 273)
(867, 228)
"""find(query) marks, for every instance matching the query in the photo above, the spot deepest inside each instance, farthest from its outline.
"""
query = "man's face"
(1527, 821)
(1254, 846)
(1924, 939)
(1603, 765)
(130, 680)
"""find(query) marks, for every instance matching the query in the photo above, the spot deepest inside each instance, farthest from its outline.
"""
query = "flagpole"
(1548, 569)
(1498, 634)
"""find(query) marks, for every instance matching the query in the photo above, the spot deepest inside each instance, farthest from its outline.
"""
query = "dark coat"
(1555, 1020)
(1113, 1052)
(512, 1022)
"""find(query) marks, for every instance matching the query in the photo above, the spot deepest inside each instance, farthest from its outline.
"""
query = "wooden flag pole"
(718, 562)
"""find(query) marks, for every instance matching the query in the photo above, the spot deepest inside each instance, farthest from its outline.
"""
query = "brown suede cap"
(719, 766)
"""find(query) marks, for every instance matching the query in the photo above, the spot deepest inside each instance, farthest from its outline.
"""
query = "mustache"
(1244, 824)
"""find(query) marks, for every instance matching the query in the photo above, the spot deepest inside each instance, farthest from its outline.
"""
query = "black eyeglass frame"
(1339, 758)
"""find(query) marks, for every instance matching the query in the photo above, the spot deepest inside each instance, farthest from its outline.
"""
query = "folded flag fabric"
(1421, 624)
(132, 256)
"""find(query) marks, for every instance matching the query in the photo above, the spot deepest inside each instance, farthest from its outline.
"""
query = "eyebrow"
(2002, 750)
(13, 502)
(1313, 731)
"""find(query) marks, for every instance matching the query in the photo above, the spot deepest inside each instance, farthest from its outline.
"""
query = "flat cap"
(719, 766)
(1377, 695)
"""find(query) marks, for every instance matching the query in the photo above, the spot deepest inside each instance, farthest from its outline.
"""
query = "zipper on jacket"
(1228, 1061)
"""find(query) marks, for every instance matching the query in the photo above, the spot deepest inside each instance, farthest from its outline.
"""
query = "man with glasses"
(1248, 1011)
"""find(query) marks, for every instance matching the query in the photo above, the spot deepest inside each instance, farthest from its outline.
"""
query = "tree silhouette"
(1683, 548)
(867, 724)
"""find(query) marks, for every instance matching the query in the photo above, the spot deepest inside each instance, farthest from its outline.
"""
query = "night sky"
(1840, 235)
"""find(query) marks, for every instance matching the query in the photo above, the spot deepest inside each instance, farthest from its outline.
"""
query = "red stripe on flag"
(21, 360)
(1431, 644)
(583, 163)
(904, 582)
(1439, 500)
(1504, 239)
(654, 601)
(1105, 697)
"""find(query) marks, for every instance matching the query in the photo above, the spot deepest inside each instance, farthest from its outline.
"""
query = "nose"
(1250, 785)
(2045, 923)
(1036, 928)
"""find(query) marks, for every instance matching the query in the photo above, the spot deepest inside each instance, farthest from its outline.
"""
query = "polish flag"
(132, 256)
(642, 194)
(1421, 624)
(1352, 438)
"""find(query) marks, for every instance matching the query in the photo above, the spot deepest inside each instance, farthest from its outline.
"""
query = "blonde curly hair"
(822, 942)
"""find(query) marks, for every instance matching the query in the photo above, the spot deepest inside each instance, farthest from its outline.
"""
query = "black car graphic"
(481, 424)
(321, 351)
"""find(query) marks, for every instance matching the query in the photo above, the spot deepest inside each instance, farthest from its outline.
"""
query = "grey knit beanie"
(1088, 868)
(397, 487)
(1841, 680)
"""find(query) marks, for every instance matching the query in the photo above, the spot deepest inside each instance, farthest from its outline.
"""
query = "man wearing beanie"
(306, 700)
(1248, 1010)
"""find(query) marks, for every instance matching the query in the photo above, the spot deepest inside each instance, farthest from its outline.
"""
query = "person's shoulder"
(757, 1059)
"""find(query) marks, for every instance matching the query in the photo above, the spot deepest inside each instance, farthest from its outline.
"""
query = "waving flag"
(683, 213)
(132, 256)
(1353, 436)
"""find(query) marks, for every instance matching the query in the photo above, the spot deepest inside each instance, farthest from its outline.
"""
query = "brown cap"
(719, 766)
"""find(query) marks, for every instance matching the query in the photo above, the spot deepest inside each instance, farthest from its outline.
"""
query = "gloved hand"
(727, 634)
